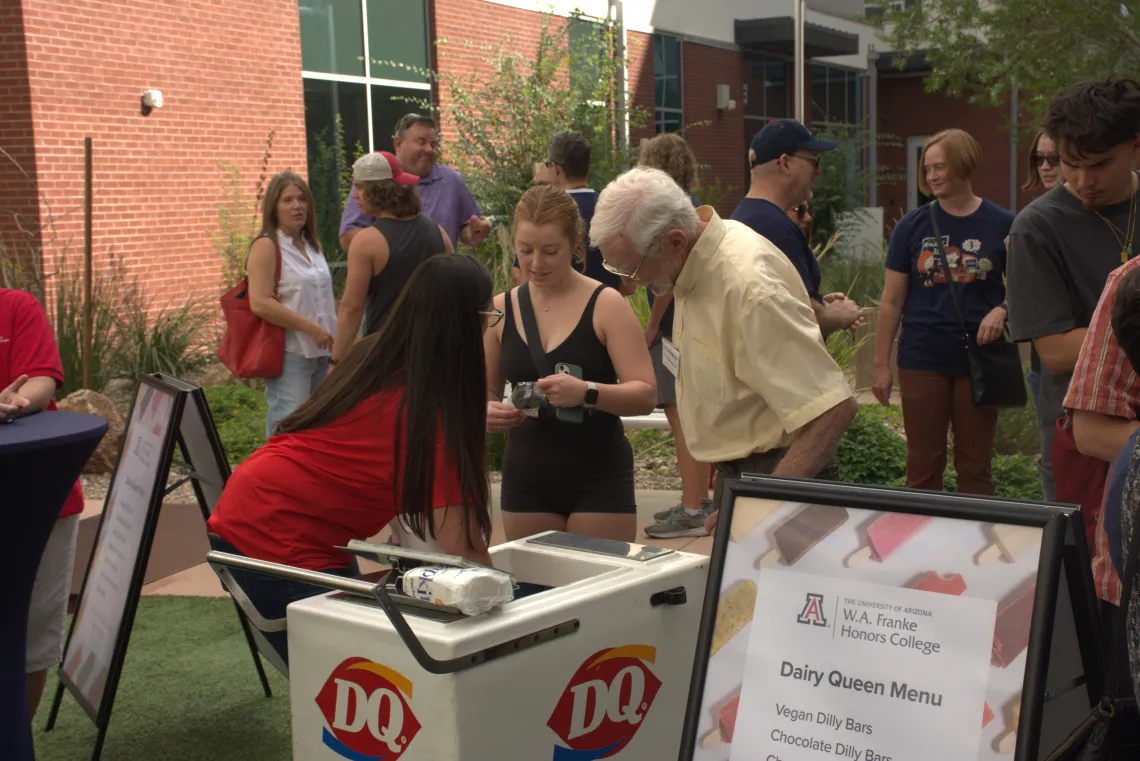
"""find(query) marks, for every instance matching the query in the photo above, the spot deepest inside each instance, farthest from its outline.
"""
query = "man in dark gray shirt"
(1064, 245)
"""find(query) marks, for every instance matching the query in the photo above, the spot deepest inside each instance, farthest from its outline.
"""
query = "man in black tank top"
(383, 257)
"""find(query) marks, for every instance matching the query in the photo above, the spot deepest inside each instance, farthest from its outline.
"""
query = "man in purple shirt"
(445, 196)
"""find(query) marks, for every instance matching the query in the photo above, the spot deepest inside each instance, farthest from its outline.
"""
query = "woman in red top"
(397, 429)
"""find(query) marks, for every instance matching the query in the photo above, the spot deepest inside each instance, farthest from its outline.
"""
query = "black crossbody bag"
(996, 375)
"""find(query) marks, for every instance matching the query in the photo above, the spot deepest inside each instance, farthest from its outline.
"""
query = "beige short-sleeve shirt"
(753, 365)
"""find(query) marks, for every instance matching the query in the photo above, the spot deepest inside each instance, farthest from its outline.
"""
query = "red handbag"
(251, 347)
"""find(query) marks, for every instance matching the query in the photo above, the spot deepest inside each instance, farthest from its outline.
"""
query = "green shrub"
(239, 413)
(496, 443)
(1018, 431)
(870, 452)
(177, 340)
(1016, 476)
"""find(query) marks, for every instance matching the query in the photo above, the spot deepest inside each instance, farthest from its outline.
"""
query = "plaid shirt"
(1104, 382)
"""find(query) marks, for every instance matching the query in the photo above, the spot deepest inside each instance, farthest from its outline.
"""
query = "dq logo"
(605, 703)
(813, 611)
(366, 715)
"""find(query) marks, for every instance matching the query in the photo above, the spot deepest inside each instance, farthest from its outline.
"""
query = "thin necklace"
(1123, 237)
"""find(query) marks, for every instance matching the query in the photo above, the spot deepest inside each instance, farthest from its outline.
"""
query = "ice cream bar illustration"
(1011, 632)
(987, 715)
(750, 512)
(1010, 543)
(886, 534)
(725, 723)
(801, 532)
(733, 612)
(953, 584)
(1007, 743)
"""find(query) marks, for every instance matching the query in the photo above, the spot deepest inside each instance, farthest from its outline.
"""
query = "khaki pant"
(931, 403)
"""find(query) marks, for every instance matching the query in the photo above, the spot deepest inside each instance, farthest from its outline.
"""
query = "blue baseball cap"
(782, 136)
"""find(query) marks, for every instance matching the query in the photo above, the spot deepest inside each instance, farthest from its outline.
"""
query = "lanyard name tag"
(670, 357)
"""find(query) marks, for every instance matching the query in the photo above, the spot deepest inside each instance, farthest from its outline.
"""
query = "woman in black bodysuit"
(559, 475)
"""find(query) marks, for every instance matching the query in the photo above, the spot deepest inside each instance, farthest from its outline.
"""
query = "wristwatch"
(591, 395)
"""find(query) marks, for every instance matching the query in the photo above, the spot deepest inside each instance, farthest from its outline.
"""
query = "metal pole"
(799, 58)
(873, 126)
(1013, 133)
(617, 18)
(88, 326)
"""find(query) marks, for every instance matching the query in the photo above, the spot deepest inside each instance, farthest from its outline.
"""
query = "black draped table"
(41, 456)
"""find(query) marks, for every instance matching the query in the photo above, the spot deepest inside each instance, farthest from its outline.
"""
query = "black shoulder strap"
(533, 339)
(944, 263)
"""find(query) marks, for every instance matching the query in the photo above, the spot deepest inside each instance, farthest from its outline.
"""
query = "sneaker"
(679, 524)
(663, 515)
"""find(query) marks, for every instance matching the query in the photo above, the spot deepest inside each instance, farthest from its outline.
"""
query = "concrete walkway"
(200, 580)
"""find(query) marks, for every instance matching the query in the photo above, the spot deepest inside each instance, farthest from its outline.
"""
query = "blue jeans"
(272, 594)
(298, 380)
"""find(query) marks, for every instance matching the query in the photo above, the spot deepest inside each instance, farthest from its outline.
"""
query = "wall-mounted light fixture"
(151, 99)
(723, 102)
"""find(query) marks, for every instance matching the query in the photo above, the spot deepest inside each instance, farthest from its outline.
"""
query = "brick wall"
(900, 116)
(230, 71)
(720, 145)
(639, 82)
(18, 206)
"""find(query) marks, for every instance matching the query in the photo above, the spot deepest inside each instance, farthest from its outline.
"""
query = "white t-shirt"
(306, 288)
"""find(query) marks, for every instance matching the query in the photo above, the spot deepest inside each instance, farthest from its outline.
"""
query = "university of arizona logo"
(367, 716)
(813, 611)
(605, 703)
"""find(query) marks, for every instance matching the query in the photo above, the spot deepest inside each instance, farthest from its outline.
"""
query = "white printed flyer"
(867, 672)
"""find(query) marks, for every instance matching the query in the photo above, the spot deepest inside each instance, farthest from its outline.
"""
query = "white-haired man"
(756, 388)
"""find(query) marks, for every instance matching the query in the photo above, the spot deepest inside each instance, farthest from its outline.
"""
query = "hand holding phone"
(566, 391)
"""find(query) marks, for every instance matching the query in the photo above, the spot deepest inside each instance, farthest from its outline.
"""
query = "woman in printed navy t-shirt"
(934, 377)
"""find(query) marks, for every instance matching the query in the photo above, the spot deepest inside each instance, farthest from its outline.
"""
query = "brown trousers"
(931, 403)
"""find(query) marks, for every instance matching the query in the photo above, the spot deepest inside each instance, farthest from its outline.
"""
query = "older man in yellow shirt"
(756, 388)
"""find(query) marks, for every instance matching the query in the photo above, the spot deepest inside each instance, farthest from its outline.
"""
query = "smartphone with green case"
(569, 414)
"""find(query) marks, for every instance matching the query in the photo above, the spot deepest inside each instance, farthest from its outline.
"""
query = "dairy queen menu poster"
(866, 635)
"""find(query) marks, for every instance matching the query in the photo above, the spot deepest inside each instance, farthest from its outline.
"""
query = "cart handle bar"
(379, 593)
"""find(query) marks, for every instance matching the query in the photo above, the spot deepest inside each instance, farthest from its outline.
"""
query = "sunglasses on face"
(815, 160)
(801, 211)
(1052, 159)
(494, 316)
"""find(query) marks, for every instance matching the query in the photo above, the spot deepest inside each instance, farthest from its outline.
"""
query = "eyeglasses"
(801, 211)
(623, 271)
(1052, 159)
(813, 159)
(493, 316)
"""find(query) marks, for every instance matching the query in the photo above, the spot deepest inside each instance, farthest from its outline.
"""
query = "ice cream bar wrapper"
(472, 590)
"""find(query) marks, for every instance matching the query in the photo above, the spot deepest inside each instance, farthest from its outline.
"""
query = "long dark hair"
(432, 346)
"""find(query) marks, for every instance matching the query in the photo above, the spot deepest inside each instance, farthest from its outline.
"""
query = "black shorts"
(567, 482)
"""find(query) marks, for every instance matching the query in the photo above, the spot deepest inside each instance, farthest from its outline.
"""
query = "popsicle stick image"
(725, 723)
(1007, 743)
(801, 532)
(733, 613)
(1011, 630)
(750, 512)
(886, 534)
(933, 581)
(987, 715)
(1009, 543)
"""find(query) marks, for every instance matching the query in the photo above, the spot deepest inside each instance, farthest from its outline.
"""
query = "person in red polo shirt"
(30, 373)
(395, 431)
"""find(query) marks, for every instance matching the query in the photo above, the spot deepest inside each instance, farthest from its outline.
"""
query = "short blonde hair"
(963, 155)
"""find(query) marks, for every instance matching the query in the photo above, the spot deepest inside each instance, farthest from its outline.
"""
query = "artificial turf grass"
(189, 692)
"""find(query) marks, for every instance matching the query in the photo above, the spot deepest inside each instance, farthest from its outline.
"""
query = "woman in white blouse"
(304, 305)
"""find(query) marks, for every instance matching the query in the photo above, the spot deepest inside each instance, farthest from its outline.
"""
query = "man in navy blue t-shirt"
(568, 165)
(785, 157)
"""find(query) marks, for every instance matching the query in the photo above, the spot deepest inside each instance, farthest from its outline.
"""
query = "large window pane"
(388, 105)
(819, 92)
(668, 121)
(397, 31)
(330, 156)
(775, 89)
(587, 48)
(332, 37)
(667, 71)
(837, 96)
(854, 98)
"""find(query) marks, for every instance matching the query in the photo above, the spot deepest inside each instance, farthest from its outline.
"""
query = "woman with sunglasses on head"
(397, 430)
(571, 467)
